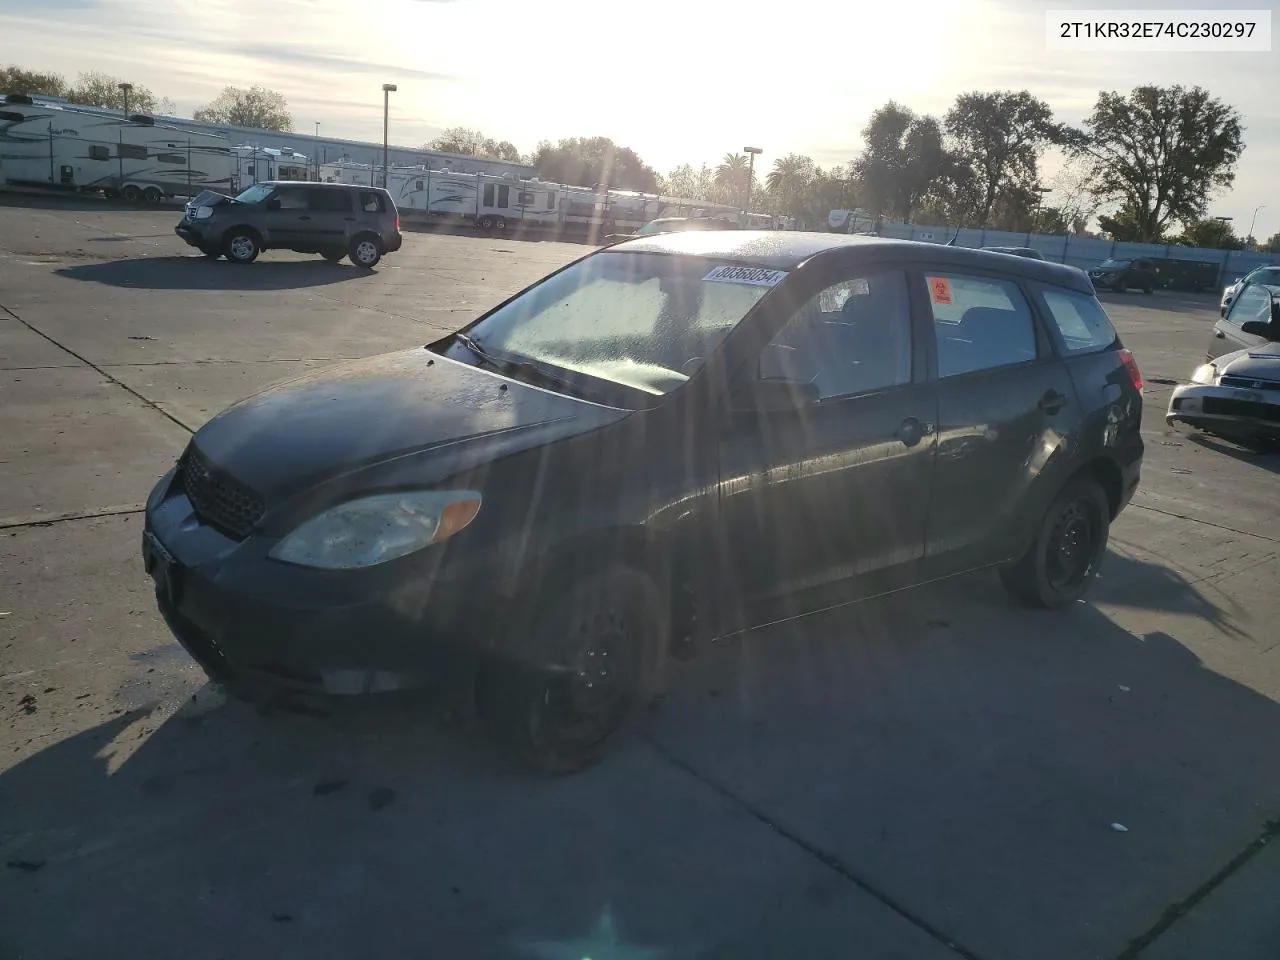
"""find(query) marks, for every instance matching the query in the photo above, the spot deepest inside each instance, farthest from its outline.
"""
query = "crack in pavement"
(828, 860)
(19, 523)
(181, 363)
(93, 366)
(1207, 523)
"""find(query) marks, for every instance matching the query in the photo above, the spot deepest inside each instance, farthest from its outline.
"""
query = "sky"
(676, 80)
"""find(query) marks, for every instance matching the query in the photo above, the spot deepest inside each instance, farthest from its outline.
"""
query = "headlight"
(1206, 373)
(203, 213)
(372, 530)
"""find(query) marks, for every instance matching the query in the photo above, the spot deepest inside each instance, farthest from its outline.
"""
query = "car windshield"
(255, 194)
(1115, 263)
(645, 321)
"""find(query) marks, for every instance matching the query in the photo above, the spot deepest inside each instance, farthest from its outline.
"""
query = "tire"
(242, 246)
(486, 223)
(365, 251)
(333, 256)
(608, 634)
(500, 224)
(131, 193)
(1060, 565)
(1148, 289)
(152, 195)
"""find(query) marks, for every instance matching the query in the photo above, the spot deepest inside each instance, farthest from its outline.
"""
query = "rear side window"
(373, 202)
(329, 201)
(979, 323)
(1080, 319)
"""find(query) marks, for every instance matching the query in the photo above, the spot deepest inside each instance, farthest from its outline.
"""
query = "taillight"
(1131, 365)
(397, 223)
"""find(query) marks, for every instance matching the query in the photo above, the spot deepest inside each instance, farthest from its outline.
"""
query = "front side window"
(979, 323)
(255, 194)
(1080, 319)
(646, 321)
(292, 200)
(852, 337)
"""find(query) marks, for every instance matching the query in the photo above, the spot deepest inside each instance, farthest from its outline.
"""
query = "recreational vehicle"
(85, 148)
(255, 164)
(488, 201)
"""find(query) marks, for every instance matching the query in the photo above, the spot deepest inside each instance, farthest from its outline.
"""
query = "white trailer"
(255, 164)
(491, 202)
(84, 148)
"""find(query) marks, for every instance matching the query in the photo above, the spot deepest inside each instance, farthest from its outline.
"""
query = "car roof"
(788, 250)
(314, 183)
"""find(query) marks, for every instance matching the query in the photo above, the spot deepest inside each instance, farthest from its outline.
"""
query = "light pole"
(1252, 221)
(126, 89)
(387, 90)
(751, 175)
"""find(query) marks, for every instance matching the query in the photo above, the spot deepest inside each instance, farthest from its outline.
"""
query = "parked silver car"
(1236, 393)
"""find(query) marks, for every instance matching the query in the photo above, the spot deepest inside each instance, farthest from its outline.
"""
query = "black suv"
(1122, 275)
(335, 220)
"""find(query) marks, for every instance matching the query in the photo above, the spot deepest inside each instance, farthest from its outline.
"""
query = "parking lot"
(934, 775)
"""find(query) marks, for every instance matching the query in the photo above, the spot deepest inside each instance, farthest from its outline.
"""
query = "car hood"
(354, 416)
(1262, 363)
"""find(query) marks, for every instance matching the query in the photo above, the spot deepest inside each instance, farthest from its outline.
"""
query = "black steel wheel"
(1063, 559)
(603, 641)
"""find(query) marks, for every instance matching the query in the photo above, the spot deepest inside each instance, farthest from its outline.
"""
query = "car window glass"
(979, 323)
(852, 337)
(1082, 321)
(291, 200)
(328, 201)
(1253, 303)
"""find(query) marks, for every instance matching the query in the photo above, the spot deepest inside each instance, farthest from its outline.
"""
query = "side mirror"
(774, 395)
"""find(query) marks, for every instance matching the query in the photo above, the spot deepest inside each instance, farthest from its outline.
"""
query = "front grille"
(1244, 383)
(1241, 408)
(218, 500)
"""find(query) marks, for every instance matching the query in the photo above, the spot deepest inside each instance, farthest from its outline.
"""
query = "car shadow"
(1265, 460)
(195, 272)
(963, 758)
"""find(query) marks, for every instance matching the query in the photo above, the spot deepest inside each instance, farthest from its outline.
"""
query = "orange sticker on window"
(940, 290)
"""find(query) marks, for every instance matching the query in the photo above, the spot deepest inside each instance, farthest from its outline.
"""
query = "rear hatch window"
(1080, 319)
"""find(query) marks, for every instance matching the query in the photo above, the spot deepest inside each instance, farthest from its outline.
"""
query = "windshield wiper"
(510, 365)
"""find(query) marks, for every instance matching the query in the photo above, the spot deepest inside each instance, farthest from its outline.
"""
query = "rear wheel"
(152, 195)
(131, 193)
(500, 224)
(486, 223)
(242, 247)
(605, 637)
(365, 252)
(1060, 565)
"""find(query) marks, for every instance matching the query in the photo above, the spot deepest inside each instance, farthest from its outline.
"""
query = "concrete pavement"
(934, 775)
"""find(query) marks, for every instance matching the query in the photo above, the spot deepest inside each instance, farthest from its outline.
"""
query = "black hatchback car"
(1122, 275)
(666, 440)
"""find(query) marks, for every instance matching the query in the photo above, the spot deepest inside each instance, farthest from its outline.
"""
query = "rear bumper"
(393, 243)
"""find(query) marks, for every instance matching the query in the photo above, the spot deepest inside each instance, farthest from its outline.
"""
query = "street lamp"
(1252, 221)
(126, 89)
(387, 90)
(317, 128)
(751, 153)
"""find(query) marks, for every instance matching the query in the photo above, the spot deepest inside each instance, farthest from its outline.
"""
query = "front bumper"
(1225, 410)
(260, 627)
(191, 234)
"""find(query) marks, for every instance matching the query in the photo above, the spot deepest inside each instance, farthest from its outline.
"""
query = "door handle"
(911, 431)
(349, 219)
(304, 217)
(1052, 402)
(1219, 334)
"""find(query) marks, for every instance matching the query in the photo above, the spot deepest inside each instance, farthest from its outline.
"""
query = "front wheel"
(365, 252)
(1062, 562)
(131, 193)
(486, 223)
(242, 247)
(603, 639)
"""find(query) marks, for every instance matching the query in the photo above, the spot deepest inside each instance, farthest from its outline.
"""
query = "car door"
(1007, 412)
(283, 217)
(330, 213)
(1253, 302)
(835, 487)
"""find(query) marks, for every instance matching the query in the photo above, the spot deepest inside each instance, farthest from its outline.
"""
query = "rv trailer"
(84, 148)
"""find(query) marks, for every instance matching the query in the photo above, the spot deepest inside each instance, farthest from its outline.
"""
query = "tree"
(1213, 234)
(790, 181)
(96, 89)
(731, 177)
(1000, 137)
(1072, 190)
(255, 107)
(1123, 225)
(14, 79)
(588, 161)
(1160, 151)
(473, 143)
(903, 161)
(690, 183)
(1272, 245)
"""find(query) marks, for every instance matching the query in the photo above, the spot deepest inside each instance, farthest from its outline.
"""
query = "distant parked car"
(1027, 252)
(1195, 275)
(1236, 394)
(1269, 275)
(1121, 275)
(335, 220)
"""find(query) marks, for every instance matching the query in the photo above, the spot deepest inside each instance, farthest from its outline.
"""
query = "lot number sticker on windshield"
(940, 291)
(753, 276)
